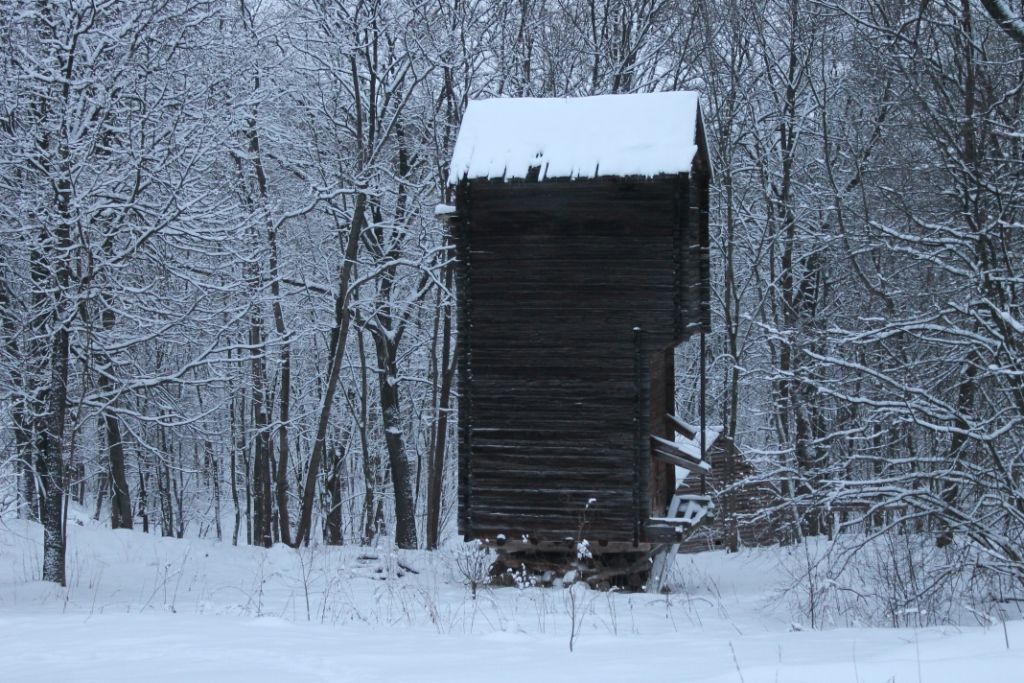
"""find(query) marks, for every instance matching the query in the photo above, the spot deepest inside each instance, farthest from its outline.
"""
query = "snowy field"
(142, 608)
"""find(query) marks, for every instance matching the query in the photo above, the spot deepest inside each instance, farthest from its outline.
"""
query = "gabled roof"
(582, 137)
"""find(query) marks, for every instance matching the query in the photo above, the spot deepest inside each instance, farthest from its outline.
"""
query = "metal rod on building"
(703, 409)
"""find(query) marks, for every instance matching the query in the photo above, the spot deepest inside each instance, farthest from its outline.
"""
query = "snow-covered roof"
(581, 137)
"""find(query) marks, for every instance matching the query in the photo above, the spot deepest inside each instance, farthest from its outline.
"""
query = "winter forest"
(227, 308)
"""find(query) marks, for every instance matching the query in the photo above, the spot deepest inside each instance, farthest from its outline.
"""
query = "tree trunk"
(213, 471)
(263, 193)
(339, 337)
(163, 479)
(51, 477)
(120, 500)
(178, 492)
(143, 512)
(235, 446)
(101, 491)
(333, 525)
(262, 501)
(163, 487)
(367, 460)
(401, 474)
(50, 464)
(435, 471)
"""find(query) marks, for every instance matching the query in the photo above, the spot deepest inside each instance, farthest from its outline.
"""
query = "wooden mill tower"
(581, 230)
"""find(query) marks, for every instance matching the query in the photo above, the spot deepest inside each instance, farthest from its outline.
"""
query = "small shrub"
(473, 563)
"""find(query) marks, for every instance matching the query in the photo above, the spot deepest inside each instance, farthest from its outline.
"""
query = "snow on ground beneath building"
(143, 608)
(578, 137)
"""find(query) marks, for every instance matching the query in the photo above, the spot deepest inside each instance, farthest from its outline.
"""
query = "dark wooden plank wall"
(735, 523)
(554, 277)
(662, 402)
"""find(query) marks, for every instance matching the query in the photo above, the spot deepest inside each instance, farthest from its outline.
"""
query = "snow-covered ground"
(140, 608)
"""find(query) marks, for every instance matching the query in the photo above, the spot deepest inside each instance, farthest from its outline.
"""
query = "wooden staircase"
(686, 510)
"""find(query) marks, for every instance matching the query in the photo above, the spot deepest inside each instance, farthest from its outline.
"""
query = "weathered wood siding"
(735, 522)
(555, 393)
(662, 402)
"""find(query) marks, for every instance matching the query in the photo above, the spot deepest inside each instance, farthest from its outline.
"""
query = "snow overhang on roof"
(581, 137)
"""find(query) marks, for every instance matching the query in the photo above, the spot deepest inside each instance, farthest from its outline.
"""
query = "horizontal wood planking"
(558, 274)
